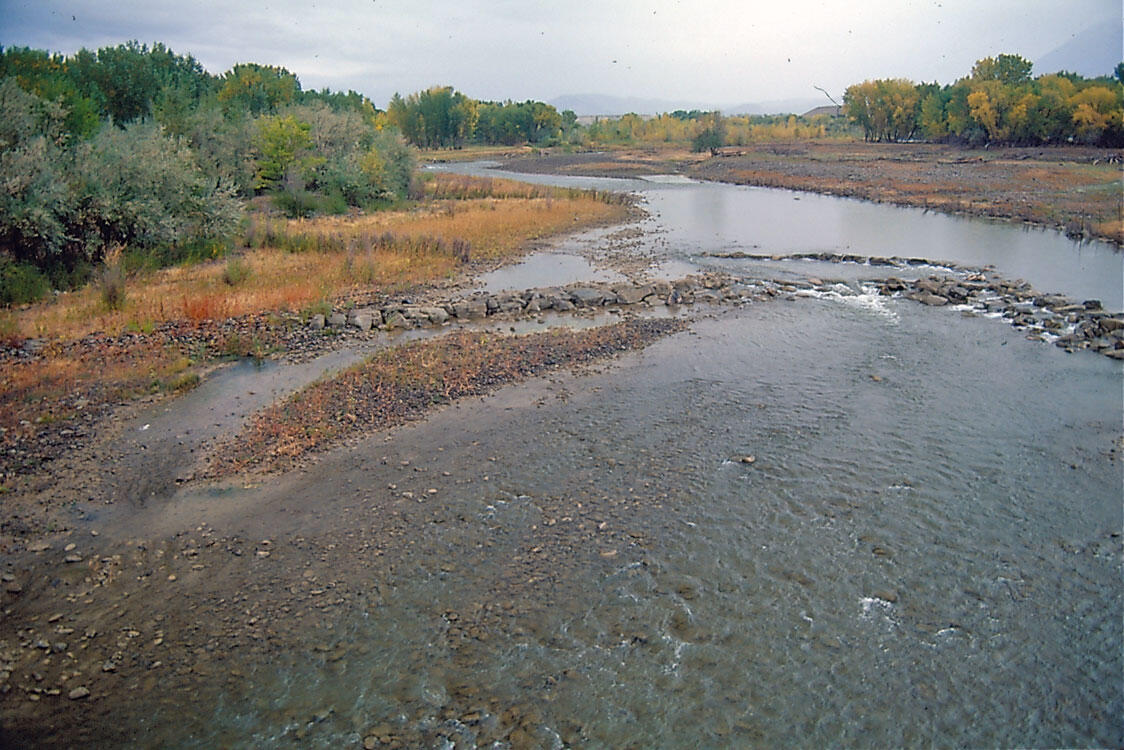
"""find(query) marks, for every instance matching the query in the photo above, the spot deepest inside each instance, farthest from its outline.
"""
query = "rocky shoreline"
(1070, 324)
(84, 639)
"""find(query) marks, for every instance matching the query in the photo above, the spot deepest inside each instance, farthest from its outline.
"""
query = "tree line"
(999, 102)
(139, 147)
(441, 117)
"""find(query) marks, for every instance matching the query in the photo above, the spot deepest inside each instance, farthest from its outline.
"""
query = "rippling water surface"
(816, 522)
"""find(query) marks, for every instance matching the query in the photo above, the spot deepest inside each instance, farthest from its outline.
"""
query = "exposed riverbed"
(825, 519)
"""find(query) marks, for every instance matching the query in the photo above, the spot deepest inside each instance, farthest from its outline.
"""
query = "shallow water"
(557, 269)
(692, 218)
(922, 559)
(924, 550)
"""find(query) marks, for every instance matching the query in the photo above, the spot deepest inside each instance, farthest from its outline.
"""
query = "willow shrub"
(62, 204)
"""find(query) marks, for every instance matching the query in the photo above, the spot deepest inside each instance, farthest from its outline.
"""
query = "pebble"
(78, 693)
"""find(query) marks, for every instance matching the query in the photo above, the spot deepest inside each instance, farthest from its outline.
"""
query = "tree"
(712, 135)
(50, 77)
(33, 194)
(1095, 112)
(286, 150)
(1011, 70)
(249, 88)
(887, 110)
(138, 187)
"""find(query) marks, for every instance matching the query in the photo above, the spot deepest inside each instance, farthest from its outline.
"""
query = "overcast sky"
(712, 51)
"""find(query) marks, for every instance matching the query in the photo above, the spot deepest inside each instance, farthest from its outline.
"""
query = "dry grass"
(403, 383)
(286, 266)
(340, 255)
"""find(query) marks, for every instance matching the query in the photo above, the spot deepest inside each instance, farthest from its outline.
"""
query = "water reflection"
(714, 217)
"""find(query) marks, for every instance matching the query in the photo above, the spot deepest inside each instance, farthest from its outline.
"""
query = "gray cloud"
(722, 51)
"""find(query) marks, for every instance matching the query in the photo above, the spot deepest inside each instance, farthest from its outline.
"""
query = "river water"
(924, 550)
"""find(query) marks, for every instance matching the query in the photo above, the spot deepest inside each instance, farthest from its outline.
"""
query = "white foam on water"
(878, 610)
(869, 299)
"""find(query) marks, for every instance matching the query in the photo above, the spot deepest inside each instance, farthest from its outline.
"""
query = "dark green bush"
(21, 283)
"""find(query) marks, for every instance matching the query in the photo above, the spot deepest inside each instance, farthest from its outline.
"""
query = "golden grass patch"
(341, 259)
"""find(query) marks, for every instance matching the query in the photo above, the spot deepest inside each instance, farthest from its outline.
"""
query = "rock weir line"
(1070, 324)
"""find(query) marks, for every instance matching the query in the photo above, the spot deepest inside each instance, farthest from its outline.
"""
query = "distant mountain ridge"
(613, 106)
(1090, 53)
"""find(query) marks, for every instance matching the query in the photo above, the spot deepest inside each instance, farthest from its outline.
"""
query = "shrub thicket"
(142, 148)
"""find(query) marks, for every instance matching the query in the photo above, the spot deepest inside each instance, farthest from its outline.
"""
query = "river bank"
(1074, 189)
(786, 460)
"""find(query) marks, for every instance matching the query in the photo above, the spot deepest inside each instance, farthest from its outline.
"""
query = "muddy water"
(924, 548)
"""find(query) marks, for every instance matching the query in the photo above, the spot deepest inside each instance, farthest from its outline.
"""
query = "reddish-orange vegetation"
(400, 384)
(174, 320)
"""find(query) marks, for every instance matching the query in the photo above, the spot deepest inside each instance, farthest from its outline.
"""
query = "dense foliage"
(709, 131)
(140, 148)
(999, 102)
(441, 117)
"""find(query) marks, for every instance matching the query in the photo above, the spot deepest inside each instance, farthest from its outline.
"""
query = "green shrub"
(236, 271)
(21, 283)
(65, 203)
(297, 203)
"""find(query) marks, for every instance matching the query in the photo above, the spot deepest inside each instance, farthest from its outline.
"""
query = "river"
(830, 521)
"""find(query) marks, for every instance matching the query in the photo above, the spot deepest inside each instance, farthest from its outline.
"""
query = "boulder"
(932, 286)
(395, 319)
(933, 300)
(435, 315)
(364, 320)
(631, 295)
(470, 308)
(585, 296)
(337, 320)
